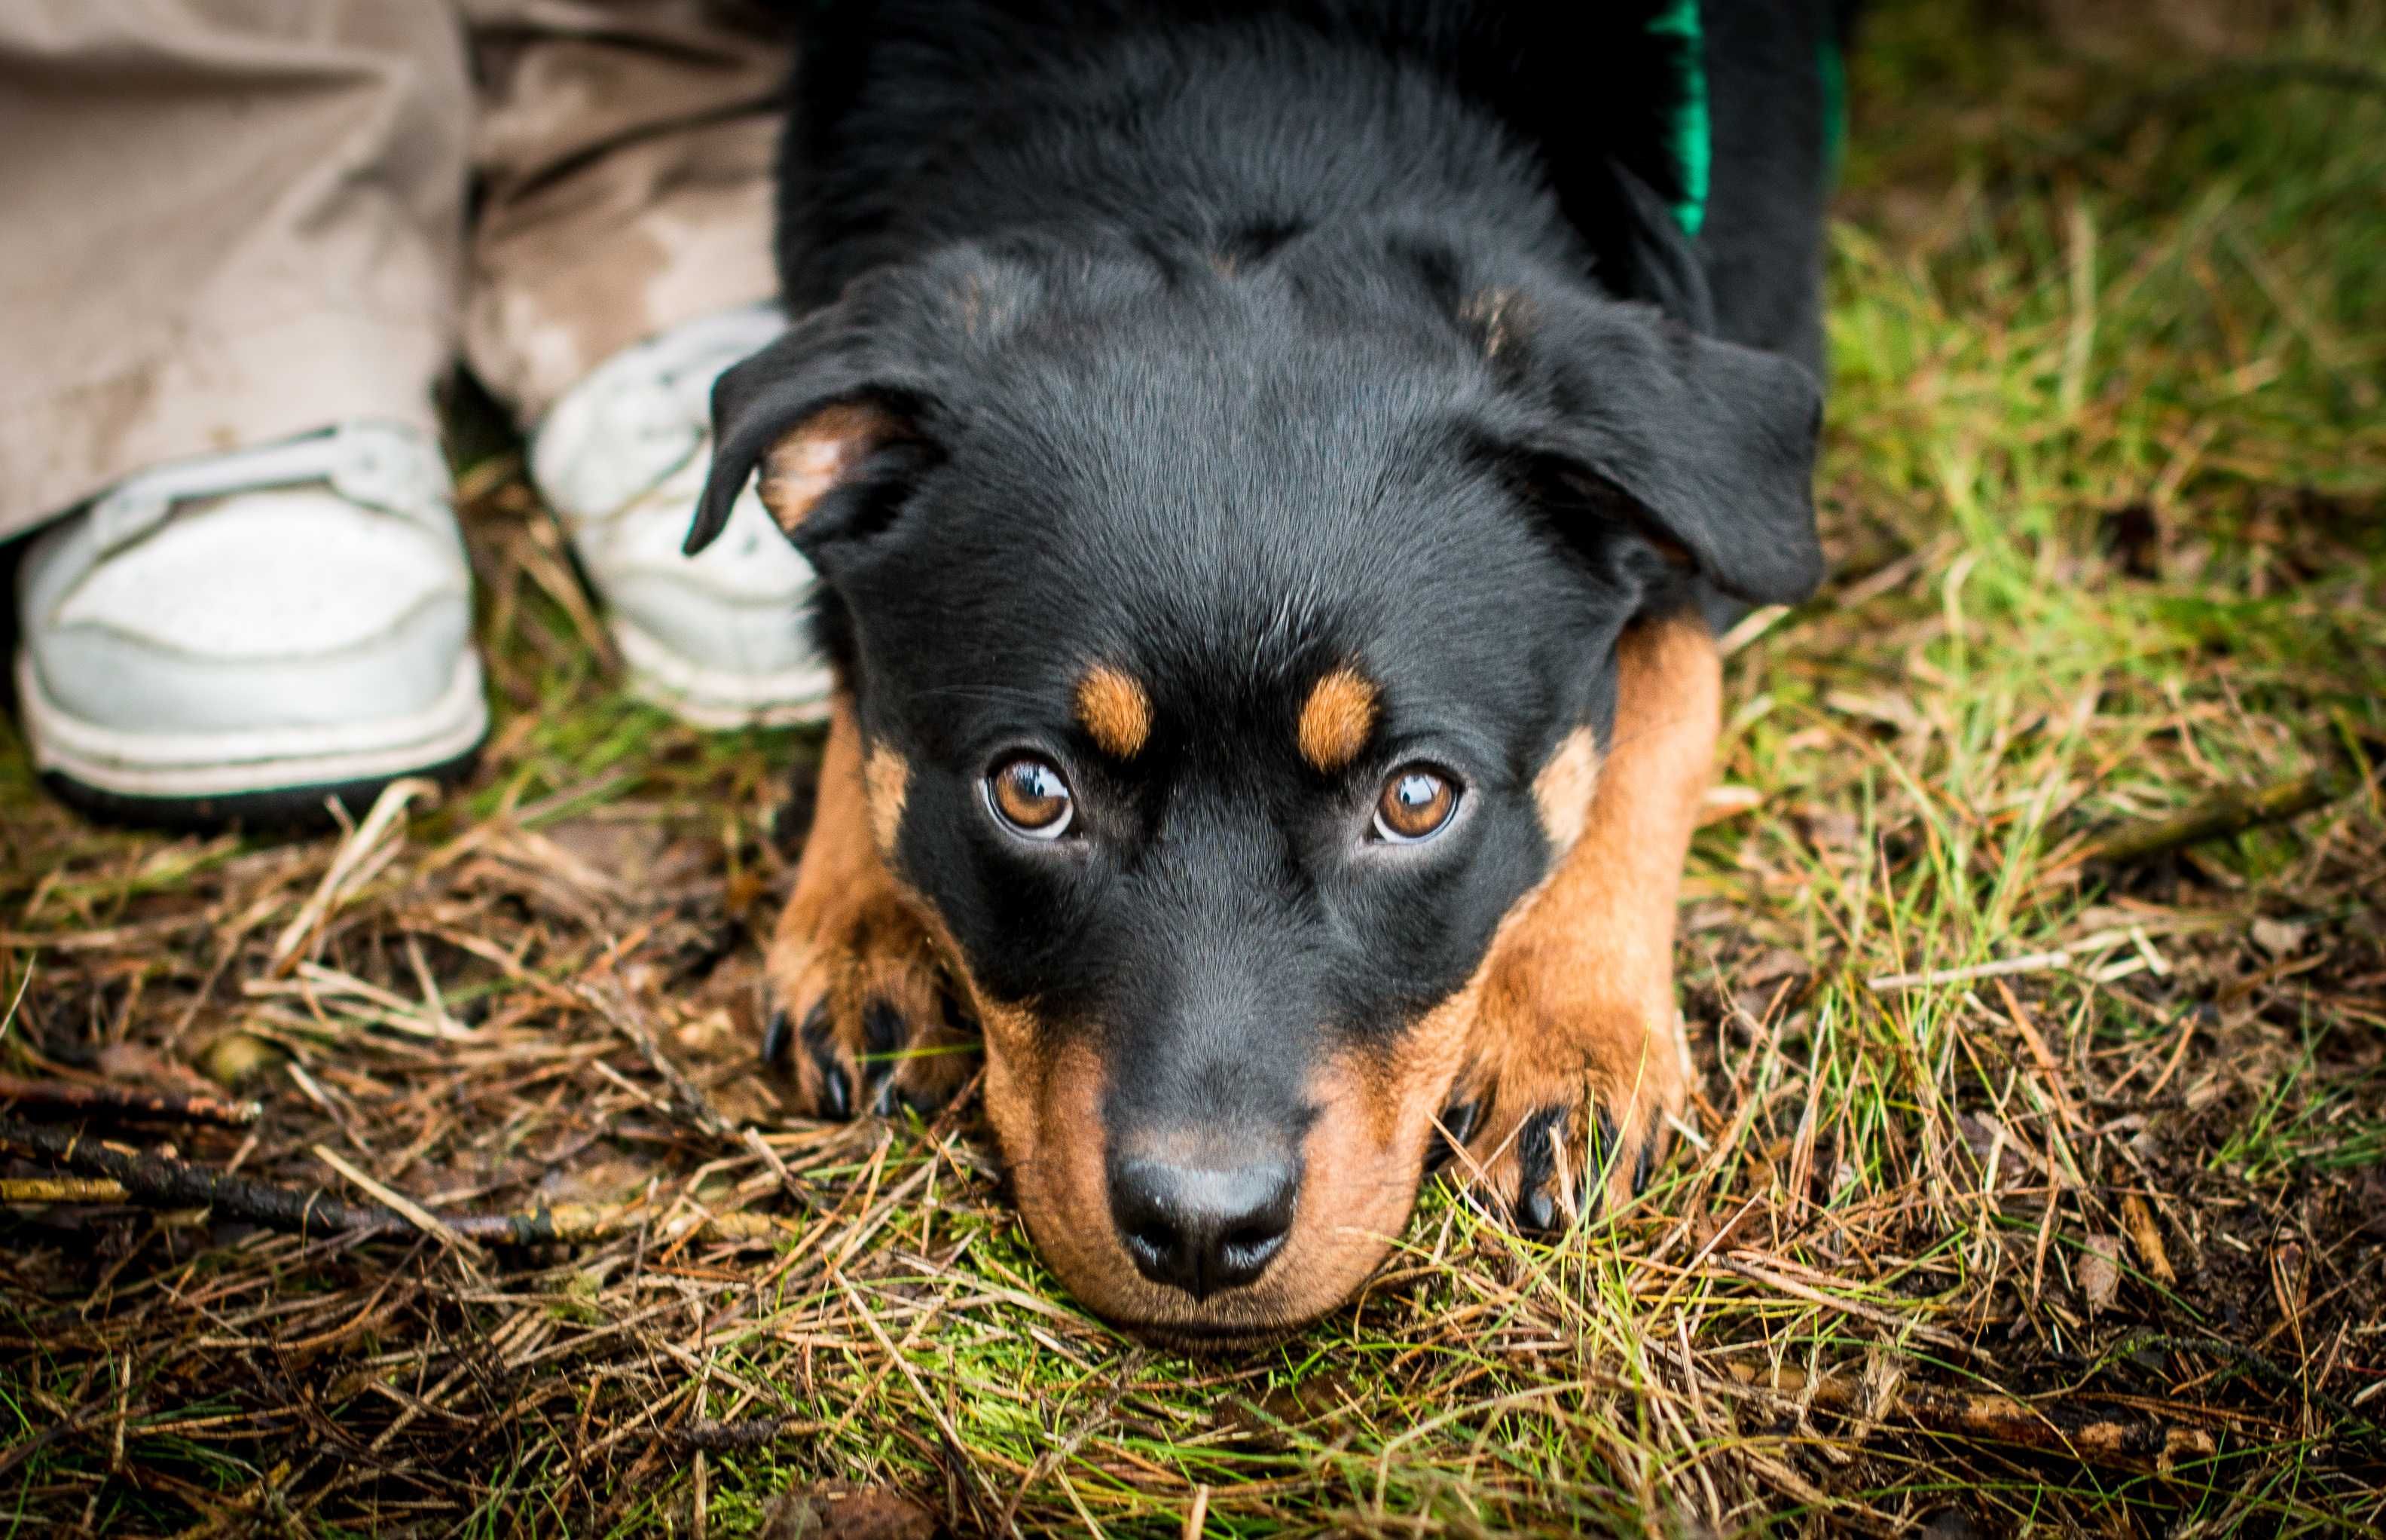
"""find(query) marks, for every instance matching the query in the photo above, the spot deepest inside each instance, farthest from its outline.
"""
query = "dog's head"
(1231, 650)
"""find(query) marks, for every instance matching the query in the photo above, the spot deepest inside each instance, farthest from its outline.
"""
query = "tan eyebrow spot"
(1337, 719)
(1116, 711)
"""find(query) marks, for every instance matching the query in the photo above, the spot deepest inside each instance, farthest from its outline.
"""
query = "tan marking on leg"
(825, 449)
(1043, 1092)
(837, 853)
(1114, 711)
(852, 937)
(1579, 997)
(886, 779)
(1563, 789)
(1336, 720)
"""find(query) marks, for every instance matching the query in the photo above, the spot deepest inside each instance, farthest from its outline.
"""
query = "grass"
(2104, 484)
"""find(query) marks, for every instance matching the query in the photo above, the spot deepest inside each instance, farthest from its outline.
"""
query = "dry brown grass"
(2089, 1244)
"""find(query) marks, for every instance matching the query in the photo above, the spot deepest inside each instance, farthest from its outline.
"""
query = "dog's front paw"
(1572, 1130)
(1578, 1061)
(864, 1017)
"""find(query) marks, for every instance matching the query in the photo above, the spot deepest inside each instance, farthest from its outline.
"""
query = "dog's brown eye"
(1416, 803)
(1030, 798)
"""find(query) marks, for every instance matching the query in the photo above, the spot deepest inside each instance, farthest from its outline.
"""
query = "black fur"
(1232, 343)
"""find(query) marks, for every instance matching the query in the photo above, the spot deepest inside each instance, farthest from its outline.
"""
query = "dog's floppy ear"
(840, 414)
(828, 409)
(1708, 445)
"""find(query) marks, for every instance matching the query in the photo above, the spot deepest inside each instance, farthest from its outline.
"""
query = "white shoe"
(243, 634)
(720, 640)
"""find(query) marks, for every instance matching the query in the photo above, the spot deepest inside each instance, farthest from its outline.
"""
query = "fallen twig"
(76, 1099)
(2089, 1437)
(155, 1182)
(741, 1435)
(61, 1189)
(2278, 1376)
(2027, 962)
(2227, 812)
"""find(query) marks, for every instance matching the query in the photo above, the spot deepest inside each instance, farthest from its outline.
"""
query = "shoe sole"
(279, 776)
(715, 699)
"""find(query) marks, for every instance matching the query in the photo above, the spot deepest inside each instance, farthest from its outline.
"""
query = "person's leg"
(625, 153)
(232, 226)
(622, 258)
(226, 223)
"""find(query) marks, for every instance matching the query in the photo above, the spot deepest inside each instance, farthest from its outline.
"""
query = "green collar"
(1689, 133)
(1693, 140)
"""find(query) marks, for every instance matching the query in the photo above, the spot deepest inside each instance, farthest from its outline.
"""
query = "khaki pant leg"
(222, 222)
(626, 150)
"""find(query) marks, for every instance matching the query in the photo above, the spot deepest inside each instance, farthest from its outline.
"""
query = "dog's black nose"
(1203, 1228)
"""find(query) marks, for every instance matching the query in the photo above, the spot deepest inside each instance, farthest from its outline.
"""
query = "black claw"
(776, 1040)
(1536, 1213)
(836, 1086)
(1607, 1143)
(1598, 1161)
(837, 1091)
(882, 1029)
(1647, 1163)
(882, 1039)
(1536, 1206)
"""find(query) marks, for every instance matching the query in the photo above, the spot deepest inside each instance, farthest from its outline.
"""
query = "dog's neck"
(1217, 143)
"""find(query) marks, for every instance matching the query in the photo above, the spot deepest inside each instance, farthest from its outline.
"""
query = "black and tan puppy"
(1273, 469)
